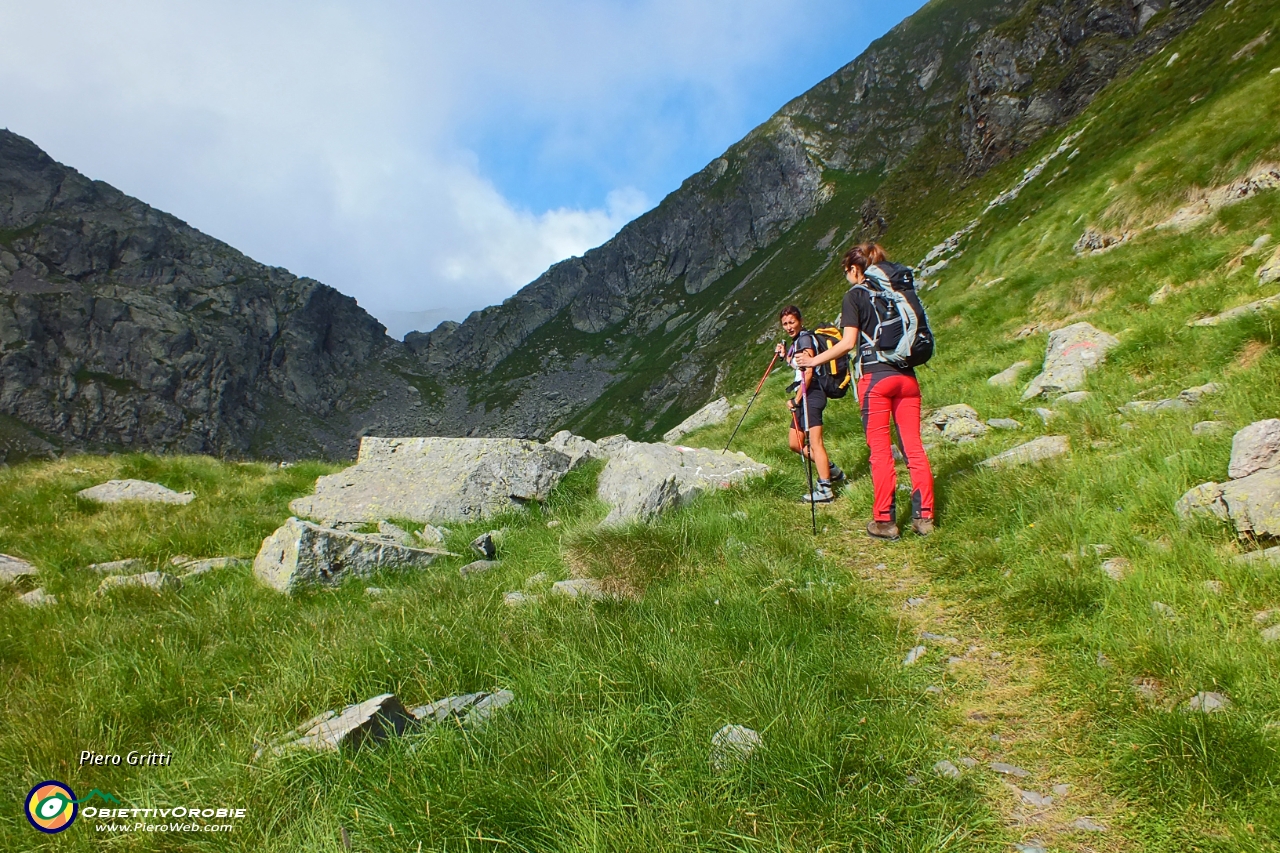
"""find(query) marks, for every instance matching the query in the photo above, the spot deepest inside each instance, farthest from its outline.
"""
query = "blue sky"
(427, 158)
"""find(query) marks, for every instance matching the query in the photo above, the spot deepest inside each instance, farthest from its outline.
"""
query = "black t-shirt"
(858, 311)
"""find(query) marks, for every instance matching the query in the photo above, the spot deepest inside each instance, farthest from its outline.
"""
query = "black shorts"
(817, 401)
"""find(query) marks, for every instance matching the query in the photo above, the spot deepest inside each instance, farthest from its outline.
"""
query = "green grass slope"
(733, 612)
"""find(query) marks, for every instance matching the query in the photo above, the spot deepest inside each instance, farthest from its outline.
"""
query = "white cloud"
(337, 139)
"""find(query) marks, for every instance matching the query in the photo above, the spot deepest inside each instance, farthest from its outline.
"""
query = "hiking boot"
(886, 530)
(922, 526)
(836, 473)
(821, 494)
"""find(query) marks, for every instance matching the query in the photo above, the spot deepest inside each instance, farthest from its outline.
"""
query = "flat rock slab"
(1255, 448)
(642, 480)
(1252, 503)
(477, 567)
(470, 709)
(715, 412)
(580, 588)
(134, 491)
(154, 581)
(302, 554)
(115, 567)
(211, 564)
(1072, 352)
(1237, 313)
(1037, 450)
(1004, 423)
(13, 569)
(38, 598)
(733, 745)
(1009, 770)
(369, 721)
(435, 480)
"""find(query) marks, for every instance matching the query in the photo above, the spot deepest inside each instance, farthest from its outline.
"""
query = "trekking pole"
(808, 451)
(760, 385)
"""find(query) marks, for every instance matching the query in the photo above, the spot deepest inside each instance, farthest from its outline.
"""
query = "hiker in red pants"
(887, 390)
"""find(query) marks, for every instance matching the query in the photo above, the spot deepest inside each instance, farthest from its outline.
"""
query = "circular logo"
(51, 807)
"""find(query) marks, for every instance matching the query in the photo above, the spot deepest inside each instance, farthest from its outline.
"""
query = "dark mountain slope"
(123, 327)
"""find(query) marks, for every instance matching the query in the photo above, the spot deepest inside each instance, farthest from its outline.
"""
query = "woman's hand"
(780, 350)
(804, 359)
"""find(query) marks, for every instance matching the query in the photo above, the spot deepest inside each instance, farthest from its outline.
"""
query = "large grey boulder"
(1204, 499)
(1037, 450)
(134, 491)
(642, 480)
(300, 553)
(1255, 448)
(1071, 354)
(435, 479)
(1252, 503)
(577, 448)
(715, 412)
(13, 570)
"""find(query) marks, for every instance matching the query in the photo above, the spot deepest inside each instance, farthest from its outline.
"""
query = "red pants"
(885, 395)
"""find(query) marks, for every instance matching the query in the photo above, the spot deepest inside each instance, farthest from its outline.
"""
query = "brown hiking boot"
(922, 526)
(886, 530)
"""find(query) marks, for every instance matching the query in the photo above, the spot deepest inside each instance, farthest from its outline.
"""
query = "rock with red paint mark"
(1072, 353)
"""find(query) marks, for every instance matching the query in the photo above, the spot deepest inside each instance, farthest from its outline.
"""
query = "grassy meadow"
(732, 611)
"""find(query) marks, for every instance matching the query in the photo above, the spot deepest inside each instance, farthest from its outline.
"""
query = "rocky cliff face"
(123, 327)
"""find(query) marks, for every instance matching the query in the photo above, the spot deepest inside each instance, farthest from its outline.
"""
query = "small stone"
(912, 780)
(470, 709)
(913, 602)
(1033, 845)
(484, 545)
(1009, 770)
(13, 569)
(1160, 294)
(517, 599)
(1271, 635)
(1061, 790)
(135, 491)
(733, 745)
(1148, 689)
(1209, 427)
(374, 591)
(1033, 798)
(953, 660)
(201, 567)
(1208, 703)
(431, 535)
(482, 711)
(38, 598)
(1161, 609)
(1073, 397)
(1095, 549)
(579, 588)
(1194, 395)
(553, 523)
(477, 567)
(933, 690)
(1085, 824)
(539, 579)
(947, 770)
(969, 763)
(1103, 661)
(738, 515)
(1262, 617)
(1046, 415)
(132, 564)
(155, 581)
(1213, 586)
(914, 655)
(1009, 376)
(1004, 423)
(930, 637)
(1117, 568)
(996, 655)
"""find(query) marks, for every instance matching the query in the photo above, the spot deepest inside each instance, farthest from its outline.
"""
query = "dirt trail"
(1005, 708)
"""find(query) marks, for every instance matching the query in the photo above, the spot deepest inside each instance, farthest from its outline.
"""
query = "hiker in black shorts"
(807, 390)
